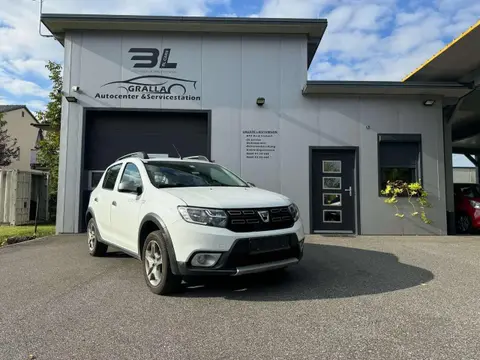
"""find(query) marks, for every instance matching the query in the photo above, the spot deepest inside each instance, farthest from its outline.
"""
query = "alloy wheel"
(463, 223)
(91, 237)
(153, 263)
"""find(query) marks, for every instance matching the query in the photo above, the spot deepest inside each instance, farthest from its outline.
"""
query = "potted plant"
(413, 192)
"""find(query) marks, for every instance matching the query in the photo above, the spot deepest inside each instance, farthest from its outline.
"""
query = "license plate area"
(268, 244)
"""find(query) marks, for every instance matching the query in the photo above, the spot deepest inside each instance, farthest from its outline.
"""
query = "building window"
(399, 158)
(23, 113)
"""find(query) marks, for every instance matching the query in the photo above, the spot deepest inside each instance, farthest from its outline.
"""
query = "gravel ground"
(350, 298)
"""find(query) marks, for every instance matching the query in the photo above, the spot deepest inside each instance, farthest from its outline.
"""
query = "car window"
(470, 190)
(111, 177)
(131, 174)
(190, 174)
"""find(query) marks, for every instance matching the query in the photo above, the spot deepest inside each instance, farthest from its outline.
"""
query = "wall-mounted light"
(75, 88)
(71, 99)
(429, 102)
(260, 101)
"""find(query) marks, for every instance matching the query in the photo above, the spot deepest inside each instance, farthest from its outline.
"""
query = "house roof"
(8, 108)
(314, 29)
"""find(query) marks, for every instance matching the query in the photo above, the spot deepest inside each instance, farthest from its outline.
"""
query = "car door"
(126, 204)
(102, 201)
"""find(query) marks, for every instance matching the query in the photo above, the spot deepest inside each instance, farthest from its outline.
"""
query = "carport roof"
(314, 29)
(453, 90)
(458, 61)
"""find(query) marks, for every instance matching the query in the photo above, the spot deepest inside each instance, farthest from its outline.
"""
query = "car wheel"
(156, 266)
(95, 247)
(464, 224)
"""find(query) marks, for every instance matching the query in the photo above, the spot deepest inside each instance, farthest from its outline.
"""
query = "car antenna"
(180, 156)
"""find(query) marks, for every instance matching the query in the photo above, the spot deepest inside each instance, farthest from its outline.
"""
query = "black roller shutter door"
(111, 134)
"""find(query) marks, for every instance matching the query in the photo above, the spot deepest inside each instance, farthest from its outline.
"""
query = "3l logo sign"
(151, 58)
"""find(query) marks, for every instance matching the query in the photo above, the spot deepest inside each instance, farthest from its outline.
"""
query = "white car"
(184, 217)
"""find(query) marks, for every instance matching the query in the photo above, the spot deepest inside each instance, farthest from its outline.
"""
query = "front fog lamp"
(294, 212)
(205, 259)
(210, 217)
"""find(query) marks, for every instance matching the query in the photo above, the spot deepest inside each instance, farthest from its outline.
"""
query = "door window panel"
(332, 183)
(332, 199)
(332, 216)
(332, 166)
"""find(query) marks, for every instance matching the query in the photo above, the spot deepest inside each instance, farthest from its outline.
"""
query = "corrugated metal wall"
(16, 197)
(7, 195)
(464, 175)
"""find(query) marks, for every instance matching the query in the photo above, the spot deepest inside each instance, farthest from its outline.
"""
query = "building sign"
(158, 83)
(260, 144)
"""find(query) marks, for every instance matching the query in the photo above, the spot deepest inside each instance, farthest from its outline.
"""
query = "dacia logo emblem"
(264, 215)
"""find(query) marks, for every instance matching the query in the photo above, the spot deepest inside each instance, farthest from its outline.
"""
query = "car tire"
(156, 266)
(464, 224)
(95, 247)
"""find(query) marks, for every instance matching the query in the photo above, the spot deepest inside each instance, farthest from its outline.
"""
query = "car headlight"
(475, 204)
(209, 217)
(294, 211)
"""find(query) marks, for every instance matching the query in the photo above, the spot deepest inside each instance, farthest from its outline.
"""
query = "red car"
(467, 207)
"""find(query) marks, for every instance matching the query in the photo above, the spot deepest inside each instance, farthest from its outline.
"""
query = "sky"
(365, 39)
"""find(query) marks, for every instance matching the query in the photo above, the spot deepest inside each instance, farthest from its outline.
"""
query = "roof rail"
(197, 157)
(138, 154)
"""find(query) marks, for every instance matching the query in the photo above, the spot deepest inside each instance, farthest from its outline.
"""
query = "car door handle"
(114, 203)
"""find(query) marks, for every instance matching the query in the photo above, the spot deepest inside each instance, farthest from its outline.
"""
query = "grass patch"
(24, 230)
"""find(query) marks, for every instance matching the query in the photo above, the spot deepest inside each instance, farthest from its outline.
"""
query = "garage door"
(111, 134)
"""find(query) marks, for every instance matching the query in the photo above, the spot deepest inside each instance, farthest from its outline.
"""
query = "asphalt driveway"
(351, 298)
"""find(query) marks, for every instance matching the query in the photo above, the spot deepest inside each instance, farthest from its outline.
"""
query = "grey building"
(236, 90)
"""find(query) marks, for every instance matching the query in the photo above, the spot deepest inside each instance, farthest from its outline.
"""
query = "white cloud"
(36, 105)
(25, 66)
(369, 17)
(19, 87)
(293, 8)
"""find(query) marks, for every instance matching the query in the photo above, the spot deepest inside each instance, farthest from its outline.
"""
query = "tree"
(9, 151)
(48, 152)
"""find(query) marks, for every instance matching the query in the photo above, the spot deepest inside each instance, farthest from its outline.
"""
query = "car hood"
(229, 197)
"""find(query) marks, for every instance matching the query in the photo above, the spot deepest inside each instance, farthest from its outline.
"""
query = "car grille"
(248, 220)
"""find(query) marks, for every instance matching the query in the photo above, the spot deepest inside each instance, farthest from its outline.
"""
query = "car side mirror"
(251, 184)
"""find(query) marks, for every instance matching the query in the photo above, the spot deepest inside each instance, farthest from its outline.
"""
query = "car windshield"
(469, 190)
(164, 174)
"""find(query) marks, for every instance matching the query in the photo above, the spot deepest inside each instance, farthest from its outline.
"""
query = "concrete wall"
(230, 74)
(19, 127)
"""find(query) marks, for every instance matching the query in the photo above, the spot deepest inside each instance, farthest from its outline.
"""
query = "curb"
(27, 241)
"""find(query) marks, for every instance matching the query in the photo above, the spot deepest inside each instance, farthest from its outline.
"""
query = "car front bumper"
(235, 249)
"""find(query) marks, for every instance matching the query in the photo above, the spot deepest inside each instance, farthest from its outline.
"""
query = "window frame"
(400, 138)
(123, 173)
(106, 173)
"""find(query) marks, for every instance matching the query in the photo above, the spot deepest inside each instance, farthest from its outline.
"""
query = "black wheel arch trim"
(168, 239)
(91, 212)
